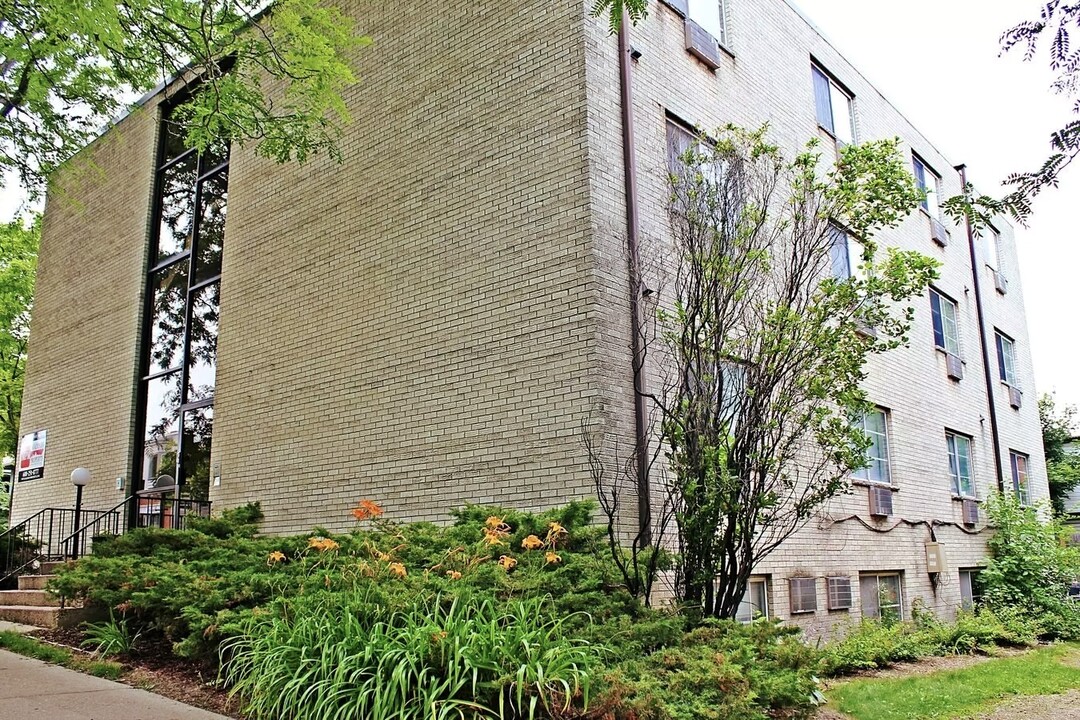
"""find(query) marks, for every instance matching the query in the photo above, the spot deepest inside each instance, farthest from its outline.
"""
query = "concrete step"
(49, 566)
(33, 598)
(47, 617)
(33, 582)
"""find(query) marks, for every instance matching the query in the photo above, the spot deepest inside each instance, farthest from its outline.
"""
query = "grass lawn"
(30, 647)
(959, 693)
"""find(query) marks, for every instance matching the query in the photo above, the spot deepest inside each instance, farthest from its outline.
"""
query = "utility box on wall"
(935, 558)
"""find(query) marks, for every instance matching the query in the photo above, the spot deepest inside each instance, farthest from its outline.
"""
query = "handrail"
(25, 522)
(38, 538)
(121, 520)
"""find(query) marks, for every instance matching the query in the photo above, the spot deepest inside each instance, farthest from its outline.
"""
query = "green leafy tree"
(18, 264)
(271, 73)
(1062, 467)
(763, 337)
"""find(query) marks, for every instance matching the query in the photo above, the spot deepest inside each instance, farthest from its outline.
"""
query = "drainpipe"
(641, 444)
(962, 169)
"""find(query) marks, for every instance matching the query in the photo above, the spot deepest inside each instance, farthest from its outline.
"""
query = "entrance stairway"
(31, 604)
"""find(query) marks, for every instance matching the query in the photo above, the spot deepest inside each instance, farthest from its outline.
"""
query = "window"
(839, 593)
(835, 113)
(755, 602)
(874, 424)
(803, 591)
(944, 312)
(881, 596)
(959, 449)
(1006, 352)
(712, 16)
(179, 362)
(929, 182)
(679, 140)
(993, 249)
(1019, 463)
(970, 593)
(846, 255)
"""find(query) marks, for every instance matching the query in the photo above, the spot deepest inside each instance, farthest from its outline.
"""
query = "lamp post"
(79, 478)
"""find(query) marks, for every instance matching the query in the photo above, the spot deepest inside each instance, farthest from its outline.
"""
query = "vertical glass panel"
(198, 431)
(177, 193)
(214, 155)
(931, 204)
(843, 119)
(161, 430)
(948, 323)
(993, 249)
(168, 289)
(174, 137)
(213, 200)
(823, 100)
(838, 254)
(708, 14)
(202, 350)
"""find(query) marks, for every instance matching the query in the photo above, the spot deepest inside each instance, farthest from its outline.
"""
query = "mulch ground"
(152, 667)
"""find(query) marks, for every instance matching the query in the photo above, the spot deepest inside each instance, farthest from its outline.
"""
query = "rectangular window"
(959, 449)
(835, 113)
(712, 16)
(881, 596)
(970, 595)
(755, 602)
(803, 593)
(930, 183)
(1019, 463)
(839, 593)
(875, 425)
(944, 312)
(845, 255)
(1006, 352)
(993, 249)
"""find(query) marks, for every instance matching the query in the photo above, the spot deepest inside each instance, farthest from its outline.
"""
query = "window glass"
(959, 450)
(842, 118)
(1020, 477)
(202, 349)
(198, 431)
(881, 596)
(1006, 352)
(875, 426)
(160, 428)
(929, 182)
(710, 14)
(993, 249)
(823, 100)
(213, 201)
(970, 594)
(833, 107)
(177, 211)
(946, 331)
(754, 603)
(168, 298)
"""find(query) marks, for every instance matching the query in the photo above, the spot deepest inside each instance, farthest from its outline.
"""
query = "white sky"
(937, 62)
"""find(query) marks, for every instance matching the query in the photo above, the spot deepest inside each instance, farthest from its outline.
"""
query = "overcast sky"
(937, 62)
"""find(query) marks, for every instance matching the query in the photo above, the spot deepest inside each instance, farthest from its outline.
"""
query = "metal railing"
(51, 534)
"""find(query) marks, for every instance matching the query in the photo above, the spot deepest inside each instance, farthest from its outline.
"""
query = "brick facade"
(432, 321)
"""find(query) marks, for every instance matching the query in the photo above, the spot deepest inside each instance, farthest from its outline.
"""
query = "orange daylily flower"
(494, 521)
(552, 558)
(453, 574)
(322, 544)
(532, 543)
(367, 510)
(494, 537)
(275, 557)
(507, 562)
(398, 569)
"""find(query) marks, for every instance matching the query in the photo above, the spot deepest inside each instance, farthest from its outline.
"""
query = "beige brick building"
(431, 321)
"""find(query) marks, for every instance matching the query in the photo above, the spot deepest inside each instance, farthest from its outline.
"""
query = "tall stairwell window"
(179, 362)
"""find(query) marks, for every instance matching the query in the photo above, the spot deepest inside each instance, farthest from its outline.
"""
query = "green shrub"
(349, 655)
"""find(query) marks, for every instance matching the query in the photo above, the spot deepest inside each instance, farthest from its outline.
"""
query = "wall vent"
(839, 593)
(938, 233)
(1016, 398)
(954, 366)
(880, 501)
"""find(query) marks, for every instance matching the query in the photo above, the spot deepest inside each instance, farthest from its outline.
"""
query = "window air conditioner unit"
(955, 366)
(938, 232)
(1001, 283)
(1015, 397)
(880, 501)
(701, 44)
(971, 513)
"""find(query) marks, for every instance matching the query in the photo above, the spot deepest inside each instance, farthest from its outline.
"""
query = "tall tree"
(270, 72)
(775, 296)
(18, 263)
(1059, 427)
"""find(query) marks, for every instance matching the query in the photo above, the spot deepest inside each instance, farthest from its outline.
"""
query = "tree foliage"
(18, 264)
(1062, 467)
(1056, 20)
(271, 73)
(762, 348)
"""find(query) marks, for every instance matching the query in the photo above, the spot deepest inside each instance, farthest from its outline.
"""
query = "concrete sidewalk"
(33, 690)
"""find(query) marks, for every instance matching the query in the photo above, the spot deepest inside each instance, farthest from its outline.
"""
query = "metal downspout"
(641, 446)
(962, 169)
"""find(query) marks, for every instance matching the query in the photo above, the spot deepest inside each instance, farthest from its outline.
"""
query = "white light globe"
(80, 477)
